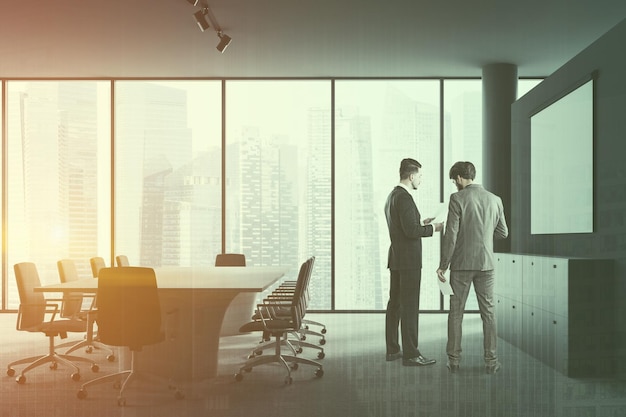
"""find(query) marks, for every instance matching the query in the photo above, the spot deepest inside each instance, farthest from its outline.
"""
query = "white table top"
(241, 279)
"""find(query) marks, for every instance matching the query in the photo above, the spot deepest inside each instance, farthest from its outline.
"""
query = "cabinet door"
(508, 279)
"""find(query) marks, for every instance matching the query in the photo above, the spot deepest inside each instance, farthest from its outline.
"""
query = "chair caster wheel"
(54, 366)
(294, 366)
(322, 342)
(303, 337)
(94, 368)
(319, 373)
(258, 352)
(89, 349)
(179, 395)
(288, 380)
(239, 377)
(10, 372)
(20, 379)
(299, 350)
(75, 376)
(111, 358)
(324, 330)
(121, 401)
(321, 355)
(81, 394)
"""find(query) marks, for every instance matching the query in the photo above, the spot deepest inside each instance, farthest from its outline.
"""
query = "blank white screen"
(561, 162)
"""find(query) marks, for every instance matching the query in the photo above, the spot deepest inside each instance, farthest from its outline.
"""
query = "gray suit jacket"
(475, 219)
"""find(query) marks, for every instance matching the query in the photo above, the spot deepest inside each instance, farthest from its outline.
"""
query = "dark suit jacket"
(405, 231)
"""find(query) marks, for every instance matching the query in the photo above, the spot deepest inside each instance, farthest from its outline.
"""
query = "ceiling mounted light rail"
(201, 17)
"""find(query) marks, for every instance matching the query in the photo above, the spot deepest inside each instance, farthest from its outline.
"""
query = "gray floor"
(357, 381)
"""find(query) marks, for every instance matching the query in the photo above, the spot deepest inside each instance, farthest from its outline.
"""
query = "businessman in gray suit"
(405, 264)
(475, 219)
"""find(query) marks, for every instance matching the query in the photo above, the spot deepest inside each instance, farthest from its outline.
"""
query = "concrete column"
(499, 92)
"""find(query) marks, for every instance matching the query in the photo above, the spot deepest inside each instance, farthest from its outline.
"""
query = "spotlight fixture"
(205, 19)
(224, 41)
(200, 17)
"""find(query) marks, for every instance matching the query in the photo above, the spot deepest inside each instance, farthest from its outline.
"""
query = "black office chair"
(290, 320)
(31, 317)
(285, 293)
(129, 314)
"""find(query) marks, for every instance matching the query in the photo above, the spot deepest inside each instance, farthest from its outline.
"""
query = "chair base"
(54, 359)
(124, 378)
(288, 361)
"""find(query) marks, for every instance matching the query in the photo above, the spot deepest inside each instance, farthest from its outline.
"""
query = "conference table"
(193, 303)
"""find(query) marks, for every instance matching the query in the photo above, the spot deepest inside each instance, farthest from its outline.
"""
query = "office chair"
(242, 306)
(278, 326)
(230, 259)
(122, 260)
(287, 287)
(72, 308)
(97, 263)
(285, 293)
(129, 314)
(31, 317)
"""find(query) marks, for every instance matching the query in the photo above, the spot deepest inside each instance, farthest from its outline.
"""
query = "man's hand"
(438, 227)
(441, 275)
(428, 220)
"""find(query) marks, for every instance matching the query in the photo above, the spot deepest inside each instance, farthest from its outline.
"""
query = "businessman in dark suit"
(405, 264)
(475, 219)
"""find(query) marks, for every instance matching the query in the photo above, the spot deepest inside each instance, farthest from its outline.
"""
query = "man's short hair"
(465, 169)
(408, 166)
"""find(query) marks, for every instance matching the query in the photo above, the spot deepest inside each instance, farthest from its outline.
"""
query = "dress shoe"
(393, 356)
(453, 367)
(492, 369)
(418, 361)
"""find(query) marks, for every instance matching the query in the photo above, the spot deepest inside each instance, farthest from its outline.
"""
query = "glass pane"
(524, 86)
(168, 200)
(58, 175)
(377, 124)
(462, 106)
(278, 177)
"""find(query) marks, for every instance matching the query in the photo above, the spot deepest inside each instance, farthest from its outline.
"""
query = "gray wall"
(607, 57)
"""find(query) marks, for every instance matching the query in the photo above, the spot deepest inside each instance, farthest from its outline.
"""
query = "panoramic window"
(168, 202)
(377, 124)
(278, 177)
(58, 175)
(281, 199)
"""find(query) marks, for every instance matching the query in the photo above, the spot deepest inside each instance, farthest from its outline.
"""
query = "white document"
(440, 213)
(445, 287)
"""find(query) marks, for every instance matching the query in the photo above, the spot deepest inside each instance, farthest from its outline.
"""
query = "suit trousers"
(403, 311)
(483, 281)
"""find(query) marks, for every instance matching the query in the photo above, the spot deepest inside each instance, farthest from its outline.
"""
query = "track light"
(205, 19)
(224, 41)
(201, 19)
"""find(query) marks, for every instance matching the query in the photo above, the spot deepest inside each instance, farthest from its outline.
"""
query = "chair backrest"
(298, 303)
(97, 263)
(129, 310)
(230, 259)
(122, 260)
(32, 304)
(72, 302)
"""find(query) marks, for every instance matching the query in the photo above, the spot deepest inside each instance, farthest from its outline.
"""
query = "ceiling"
(297, 38)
